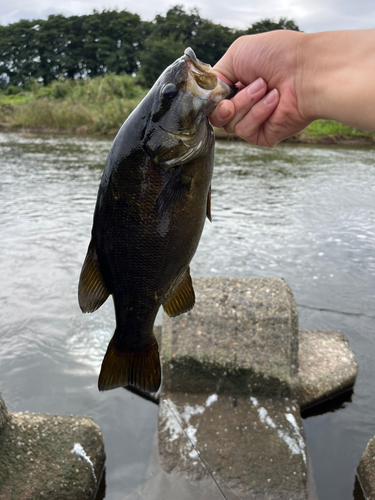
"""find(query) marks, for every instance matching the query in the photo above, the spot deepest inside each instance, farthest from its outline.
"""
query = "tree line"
(113, 42)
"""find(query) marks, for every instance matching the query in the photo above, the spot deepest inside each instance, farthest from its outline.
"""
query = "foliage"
(158, 55)
(47, 66)
(169, 35)
(112, 42)
(72, 47)
(101, 104)
(335, 129)
(93, 105)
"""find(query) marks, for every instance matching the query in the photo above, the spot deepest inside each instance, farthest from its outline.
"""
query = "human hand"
(266, 68)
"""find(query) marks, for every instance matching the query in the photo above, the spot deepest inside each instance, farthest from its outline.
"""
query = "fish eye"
(169, 91)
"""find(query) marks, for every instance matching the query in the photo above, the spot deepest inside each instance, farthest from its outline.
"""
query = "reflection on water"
(306, 214)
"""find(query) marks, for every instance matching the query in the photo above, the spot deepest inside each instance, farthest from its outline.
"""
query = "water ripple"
(306, 214)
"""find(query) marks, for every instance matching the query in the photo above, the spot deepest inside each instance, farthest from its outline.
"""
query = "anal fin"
(182, 298)
(139, 369)
(92, 292)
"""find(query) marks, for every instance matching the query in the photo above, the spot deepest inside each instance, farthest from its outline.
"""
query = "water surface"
(304, 213)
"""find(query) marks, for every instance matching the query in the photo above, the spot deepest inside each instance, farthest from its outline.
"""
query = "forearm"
(337, 80)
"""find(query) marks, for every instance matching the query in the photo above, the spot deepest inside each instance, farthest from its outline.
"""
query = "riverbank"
(92, 106)
(321, 132)
(99, 106)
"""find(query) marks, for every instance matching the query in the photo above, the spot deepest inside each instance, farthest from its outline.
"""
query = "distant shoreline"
(305, 138)
(98, 107)
(220, 134)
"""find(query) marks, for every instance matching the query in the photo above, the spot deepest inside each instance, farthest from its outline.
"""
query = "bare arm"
(341, 73)
(304, 77)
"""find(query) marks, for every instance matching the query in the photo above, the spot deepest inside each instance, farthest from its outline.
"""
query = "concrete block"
(327, 367)
(49, 456)
(253, 446)
(242, 335)
(366, 471)
(222, 362)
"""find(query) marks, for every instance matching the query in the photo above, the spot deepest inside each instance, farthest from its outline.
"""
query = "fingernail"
(223, 111)
(255, 86)
(271, 97)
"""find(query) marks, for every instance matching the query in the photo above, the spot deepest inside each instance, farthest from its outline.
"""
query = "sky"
(309, 15)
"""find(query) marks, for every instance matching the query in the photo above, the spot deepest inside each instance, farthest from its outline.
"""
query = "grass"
(329, 129)
(99, 105)
(323, 132)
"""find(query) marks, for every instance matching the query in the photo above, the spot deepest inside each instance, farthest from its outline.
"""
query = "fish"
(153, 199)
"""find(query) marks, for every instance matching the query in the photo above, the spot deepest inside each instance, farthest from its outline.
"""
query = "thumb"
(222, 114)
(224, 67)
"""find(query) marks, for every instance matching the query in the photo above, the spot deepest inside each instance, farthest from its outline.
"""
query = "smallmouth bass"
(152, 203)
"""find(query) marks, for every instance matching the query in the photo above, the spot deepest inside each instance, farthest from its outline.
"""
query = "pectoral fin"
(173, 191)
(92, 292)
(182, 298)
(209, 205)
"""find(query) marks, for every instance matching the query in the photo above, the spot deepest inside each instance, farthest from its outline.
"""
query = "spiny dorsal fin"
(127, 368)
(182, 298)
(92, 292)
(209, 205)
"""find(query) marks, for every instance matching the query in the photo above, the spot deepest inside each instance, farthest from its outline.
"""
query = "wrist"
(336, 77)
(324, 64)
(308, 77)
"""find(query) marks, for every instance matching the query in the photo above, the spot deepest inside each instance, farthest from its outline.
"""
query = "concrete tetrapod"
(366, 471)
(236, 370)
(49, 456)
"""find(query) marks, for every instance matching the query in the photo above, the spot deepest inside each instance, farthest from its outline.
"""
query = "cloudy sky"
(310, 15)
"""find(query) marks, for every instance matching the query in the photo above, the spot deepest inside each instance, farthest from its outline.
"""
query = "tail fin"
(123, 368)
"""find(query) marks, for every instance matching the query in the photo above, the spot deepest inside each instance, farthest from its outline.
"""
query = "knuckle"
(257, 113)
(247, 136)
(229, 129)
(244, 130)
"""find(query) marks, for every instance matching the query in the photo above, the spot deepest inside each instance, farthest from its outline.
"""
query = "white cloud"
(310, 16)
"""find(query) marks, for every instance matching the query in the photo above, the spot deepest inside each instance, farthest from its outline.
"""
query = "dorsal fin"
(92, 292)
(209, 205)
(182, 298)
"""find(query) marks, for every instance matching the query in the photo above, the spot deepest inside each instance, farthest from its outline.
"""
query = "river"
(304, 213)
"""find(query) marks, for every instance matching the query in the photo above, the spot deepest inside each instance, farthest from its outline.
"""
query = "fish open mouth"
(206, 79)
(201, 72)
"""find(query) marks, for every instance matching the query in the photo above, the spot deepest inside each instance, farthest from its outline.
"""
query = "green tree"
(211, 41)
(54, 47)
(169, 35)
(126, 29)
(19, 57)
(73, 64)
(112, 41)
(158, 55)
